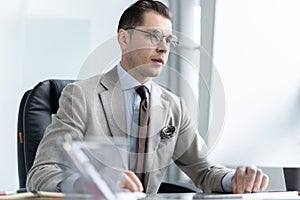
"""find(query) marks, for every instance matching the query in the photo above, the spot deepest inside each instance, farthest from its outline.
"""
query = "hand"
(116, 179)
(121, 179)
(131, 182)
(249, 179)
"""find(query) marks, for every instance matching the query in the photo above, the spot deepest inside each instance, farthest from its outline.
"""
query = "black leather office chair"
(36, 107)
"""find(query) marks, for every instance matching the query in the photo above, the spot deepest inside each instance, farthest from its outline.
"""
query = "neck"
(135, 73)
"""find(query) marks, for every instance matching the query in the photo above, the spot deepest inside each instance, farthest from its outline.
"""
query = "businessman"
(124, 102)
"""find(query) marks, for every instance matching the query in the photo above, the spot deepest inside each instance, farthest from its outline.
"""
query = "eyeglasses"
(156, 36)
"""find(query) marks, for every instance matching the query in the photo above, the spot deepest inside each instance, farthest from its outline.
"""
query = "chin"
(155, 73)
(151, 70)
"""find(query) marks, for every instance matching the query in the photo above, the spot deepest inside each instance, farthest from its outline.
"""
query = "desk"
(165, 196)
(162, 196)
(193, 196)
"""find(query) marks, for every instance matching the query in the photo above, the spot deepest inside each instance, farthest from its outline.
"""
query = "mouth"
(159, 61)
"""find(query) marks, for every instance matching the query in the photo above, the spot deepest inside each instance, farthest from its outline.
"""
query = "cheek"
(139, 45)
(143, 55)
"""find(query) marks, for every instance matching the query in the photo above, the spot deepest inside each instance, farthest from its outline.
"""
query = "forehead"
(156, 21)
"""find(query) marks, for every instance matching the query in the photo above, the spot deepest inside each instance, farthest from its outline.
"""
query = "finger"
(240, 180)
(265, 182)
(234, 184)
(135, 181)
(258, 180)
(128, 184)
(251, 179)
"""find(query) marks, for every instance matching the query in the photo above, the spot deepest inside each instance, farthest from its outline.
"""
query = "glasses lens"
(172, 41)
(156, 36)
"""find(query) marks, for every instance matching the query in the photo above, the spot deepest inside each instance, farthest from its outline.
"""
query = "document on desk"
(259, 195)
(45, 196)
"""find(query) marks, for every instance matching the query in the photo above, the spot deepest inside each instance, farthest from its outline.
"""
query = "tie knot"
(141, 90)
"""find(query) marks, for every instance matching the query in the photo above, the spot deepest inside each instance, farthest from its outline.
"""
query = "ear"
(123, 39)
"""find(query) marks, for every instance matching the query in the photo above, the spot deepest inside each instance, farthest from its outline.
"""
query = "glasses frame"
(159, 38)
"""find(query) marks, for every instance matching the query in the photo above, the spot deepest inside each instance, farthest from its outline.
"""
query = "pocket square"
(168, 131)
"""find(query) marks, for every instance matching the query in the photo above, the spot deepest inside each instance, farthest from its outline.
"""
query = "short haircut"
(133, 16)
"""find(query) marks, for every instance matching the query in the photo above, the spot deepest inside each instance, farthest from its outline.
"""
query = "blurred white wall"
(256, 50)
(41, 39)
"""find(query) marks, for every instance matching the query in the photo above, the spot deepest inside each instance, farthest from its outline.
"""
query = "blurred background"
(253, 45)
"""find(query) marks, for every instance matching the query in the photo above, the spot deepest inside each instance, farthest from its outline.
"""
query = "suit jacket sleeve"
(190, 155)
(50, 167)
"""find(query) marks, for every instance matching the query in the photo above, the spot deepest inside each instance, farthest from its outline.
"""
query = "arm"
(50, 168)
(190, 155)
(51, 171)
(210, 178)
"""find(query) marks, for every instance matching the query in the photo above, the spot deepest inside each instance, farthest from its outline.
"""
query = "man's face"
(143, 58)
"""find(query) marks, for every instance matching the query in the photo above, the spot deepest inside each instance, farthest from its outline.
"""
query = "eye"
(156, 35)
(169, 39)
(172, 40)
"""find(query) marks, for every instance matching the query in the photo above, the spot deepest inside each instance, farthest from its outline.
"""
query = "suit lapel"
(113, 104)
(158, 115)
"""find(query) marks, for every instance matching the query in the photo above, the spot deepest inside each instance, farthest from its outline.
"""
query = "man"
(107, 105)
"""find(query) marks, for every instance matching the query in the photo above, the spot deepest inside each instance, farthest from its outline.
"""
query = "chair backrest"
(35, 110)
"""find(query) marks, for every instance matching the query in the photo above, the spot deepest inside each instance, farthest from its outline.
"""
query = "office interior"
(249, 50)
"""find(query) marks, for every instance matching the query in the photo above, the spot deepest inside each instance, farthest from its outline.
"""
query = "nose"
(163, 47)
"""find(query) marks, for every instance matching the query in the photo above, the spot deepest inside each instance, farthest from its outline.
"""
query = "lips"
(158, 60)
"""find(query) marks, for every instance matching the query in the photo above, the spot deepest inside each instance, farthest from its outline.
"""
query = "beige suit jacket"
(95, 107)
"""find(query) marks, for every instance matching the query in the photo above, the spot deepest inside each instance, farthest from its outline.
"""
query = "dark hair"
(133, 16)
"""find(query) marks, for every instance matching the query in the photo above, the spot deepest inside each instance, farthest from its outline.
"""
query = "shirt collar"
(129, 82)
